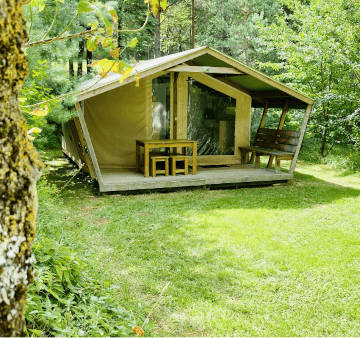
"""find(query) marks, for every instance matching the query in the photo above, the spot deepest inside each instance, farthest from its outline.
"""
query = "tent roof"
(248, 80)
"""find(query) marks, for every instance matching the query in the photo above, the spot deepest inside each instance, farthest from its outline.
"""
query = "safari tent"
(199, 94)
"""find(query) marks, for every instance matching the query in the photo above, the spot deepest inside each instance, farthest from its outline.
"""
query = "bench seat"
(278, 144)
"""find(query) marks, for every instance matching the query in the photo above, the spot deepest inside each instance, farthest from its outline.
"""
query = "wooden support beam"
(87, 157)
(280, 126)
(237, 87)
(89, 143)
(78, 143)
(229, 83)
(261, 125)
(263, 117)
(204, 69)
(174, 106)
(302, 133)
(228, 76)
(283, 115)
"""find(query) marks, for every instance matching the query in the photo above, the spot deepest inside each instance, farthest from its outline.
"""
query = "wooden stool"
(181, 158)
(156, 159)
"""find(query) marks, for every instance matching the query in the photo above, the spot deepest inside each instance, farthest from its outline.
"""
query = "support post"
(261, 125)
(302, 133)
(280, 126)
(87, 157)
(174, 105)
(78, 143)
(89, 143)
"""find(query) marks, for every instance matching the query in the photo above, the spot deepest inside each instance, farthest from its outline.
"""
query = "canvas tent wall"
(114, 115)
(115, 119)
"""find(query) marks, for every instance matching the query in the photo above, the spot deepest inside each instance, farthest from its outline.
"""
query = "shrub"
(68, 297)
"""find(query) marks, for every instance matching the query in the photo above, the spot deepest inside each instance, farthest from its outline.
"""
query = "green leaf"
(45, 258)
(41, 5)
(85, 6)
(113, 13)
(37, 332)
(59, 271)
(67, 276)
(133, 43)
(114, 286)
(91, 43)
(163, 4)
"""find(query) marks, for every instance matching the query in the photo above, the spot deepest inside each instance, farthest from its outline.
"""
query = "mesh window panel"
(211, 120)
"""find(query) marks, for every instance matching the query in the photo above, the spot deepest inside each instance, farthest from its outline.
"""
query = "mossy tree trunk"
(20, 167)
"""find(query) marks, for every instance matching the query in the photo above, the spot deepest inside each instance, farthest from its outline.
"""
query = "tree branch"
(31, 22)
(329, 150)
(57, 38)
(53, 22)
(83, 33)
(71, 94)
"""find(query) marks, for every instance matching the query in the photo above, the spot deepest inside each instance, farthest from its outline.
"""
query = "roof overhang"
(215, 64)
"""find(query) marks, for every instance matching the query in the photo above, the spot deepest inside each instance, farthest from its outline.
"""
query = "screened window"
(211, 120)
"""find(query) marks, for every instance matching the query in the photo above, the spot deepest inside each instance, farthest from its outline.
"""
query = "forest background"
(312, 46)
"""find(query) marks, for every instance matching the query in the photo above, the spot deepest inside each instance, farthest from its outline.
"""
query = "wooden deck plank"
(128, 179)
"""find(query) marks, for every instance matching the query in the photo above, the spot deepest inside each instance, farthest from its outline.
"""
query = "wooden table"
(152, 144)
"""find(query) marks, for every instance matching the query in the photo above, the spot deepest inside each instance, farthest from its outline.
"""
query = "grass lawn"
(282, 260)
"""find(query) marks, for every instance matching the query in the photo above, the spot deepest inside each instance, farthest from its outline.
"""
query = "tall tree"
(232, 26)
(20, 169)
(317, 45)
(192, 24)
(20, 164)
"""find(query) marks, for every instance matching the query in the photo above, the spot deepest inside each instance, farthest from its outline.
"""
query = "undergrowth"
(68, 296)
(341, 156)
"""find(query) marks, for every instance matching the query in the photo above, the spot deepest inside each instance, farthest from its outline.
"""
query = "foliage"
(342, 157)
(39, 87)
(315, 43)
(68, 297)
(175, 27)
(61, 28)
(232, 26)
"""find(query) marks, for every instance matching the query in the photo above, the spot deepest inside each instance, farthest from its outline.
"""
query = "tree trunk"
(119, 36)
(80, 57)
(193, 24)
(246, 47)
(20, 167)
(88, 61)
(157, 36)
(71, 67)
(323, 143)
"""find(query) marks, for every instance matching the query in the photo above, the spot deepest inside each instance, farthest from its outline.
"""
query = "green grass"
(275, 261)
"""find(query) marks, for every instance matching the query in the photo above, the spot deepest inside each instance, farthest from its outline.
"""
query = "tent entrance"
(161, 107)
(210, 120)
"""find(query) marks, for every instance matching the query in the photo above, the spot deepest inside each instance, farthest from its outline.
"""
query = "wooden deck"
(128, 179)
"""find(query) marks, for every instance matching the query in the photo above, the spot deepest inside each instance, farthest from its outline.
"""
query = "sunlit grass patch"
(275, 261)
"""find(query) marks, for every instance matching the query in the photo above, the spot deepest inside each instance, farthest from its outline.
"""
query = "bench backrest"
(285, 140)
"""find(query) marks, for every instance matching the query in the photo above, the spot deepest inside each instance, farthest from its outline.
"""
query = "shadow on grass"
(302, 192)
(233, 256)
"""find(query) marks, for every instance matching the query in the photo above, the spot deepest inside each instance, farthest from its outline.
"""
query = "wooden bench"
(280, 144)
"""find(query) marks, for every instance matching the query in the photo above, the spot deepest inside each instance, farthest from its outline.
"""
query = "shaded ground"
(276, 261)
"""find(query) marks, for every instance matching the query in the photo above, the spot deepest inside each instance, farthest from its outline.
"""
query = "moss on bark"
(20, 167)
